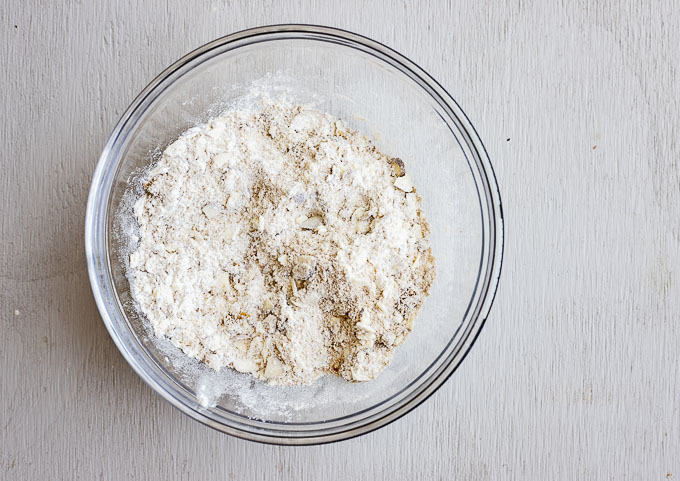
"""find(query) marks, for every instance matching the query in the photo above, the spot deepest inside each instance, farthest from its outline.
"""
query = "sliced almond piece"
(404, 183)
(274, 368)
(211, 211)
(306, 259)
(245, 365)
(362, 227)
(267, 305)
(311, 223)
(340, 128)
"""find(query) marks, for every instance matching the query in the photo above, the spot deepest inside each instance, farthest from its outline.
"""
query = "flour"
(281, 244)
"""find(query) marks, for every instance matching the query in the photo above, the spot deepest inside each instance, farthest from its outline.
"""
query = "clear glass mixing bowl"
(409, 115)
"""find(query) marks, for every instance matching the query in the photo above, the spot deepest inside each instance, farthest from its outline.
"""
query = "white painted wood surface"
(576, 374)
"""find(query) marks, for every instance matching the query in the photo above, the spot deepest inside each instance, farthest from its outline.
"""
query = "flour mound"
(281, 244)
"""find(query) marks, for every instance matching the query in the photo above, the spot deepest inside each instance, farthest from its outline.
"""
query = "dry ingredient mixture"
(281, 244)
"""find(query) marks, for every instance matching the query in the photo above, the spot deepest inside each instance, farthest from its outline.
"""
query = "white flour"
(283, 245)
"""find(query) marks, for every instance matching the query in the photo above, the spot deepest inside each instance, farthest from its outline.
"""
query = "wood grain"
(575, 376)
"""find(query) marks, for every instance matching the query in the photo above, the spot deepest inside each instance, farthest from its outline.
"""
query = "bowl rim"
(489, 274)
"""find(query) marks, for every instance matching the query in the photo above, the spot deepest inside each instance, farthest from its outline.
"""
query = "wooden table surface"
(576, 374)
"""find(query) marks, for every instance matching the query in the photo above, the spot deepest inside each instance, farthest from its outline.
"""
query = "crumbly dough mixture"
(281, 244)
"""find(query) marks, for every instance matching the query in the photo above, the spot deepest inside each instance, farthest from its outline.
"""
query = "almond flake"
(404, 183)
(211, 211)
(311, 223)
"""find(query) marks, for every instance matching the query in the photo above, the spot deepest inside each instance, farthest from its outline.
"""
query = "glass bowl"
(407, 114)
